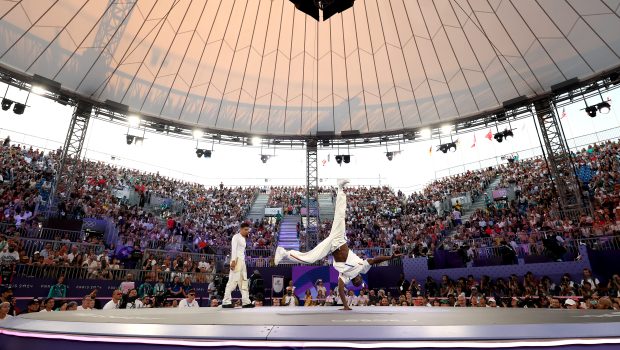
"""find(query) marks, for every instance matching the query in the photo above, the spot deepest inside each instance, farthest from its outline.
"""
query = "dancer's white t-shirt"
(352, 267)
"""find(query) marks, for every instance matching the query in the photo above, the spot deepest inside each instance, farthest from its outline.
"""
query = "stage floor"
(389, 326)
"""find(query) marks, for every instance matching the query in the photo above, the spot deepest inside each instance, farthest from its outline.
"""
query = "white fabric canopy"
(262, 67)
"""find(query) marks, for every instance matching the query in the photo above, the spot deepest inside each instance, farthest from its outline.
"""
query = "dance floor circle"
(316, 327)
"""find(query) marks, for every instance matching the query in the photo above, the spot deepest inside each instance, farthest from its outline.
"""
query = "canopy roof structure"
(261, 67)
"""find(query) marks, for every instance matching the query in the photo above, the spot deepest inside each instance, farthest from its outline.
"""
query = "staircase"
(326, 207)
(257, 211)
(480, 203)
(288, 232)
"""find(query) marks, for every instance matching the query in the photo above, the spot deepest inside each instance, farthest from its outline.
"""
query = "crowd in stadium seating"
(377, 217)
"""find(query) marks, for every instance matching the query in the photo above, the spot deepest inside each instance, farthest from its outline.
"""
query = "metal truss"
(312, 190)
(559, 159)
(68, 176)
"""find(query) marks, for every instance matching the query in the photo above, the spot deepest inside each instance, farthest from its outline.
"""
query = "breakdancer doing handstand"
(349, 265)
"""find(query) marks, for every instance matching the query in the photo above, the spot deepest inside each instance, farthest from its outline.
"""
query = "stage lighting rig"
(591, 111)
(130, 139)
(445, 147)
(501, 136)
(19, 108)
(329, 7)
(389, 155)
(264, 158)
(603, 107)
(6, 104)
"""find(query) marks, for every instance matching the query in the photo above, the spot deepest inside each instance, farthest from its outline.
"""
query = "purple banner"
(500, 193)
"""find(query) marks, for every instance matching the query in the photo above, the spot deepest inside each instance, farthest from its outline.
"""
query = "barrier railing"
(41, 232)
(39, 271)
(31, 245)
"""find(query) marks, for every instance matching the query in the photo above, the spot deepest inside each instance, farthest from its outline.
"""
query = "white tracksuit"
(337, 237)
(238, 276)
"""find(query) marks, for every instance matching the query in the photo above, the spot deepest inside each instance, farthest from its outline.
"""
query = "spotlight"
(325, 143)
(6, 104)
(133, 121)
(603, 107)
(508, 133)
(446, 129)
(443, 148)
(19, 108)
(199, 153)
(37, 89)
(339, 159)
(207, 153)
(130, 139)
(255, 140)
(264, 158)
(499, 137)
(389, 155)
(452, 145)
(346, 158)
(425, 133)
(197, 133)
(591, 110)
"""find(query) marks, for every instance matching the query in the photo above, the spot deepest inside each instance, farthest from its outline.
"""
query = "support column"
(560, 161)
(68, 176)
(312, 190)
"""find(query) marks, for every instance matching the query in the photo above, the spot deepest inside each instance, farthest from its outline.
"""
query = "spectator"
(175, 289)
(146, 289)
(48, 305)
(214, 302)
(94, 302)
(190, 300)
(86, 303)
(32, 306)
(160, 291)
(115, 302)
(59, 290)
(132, 300)
(5, 307)
(308, 298)
(128, 284)
(587, 277)
(290, 299)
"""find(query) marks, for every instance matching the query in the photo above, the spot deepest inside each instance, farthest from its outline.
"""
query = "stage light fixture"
(603, 107)
(264, 158)
(389, 155)
(256, 140)
(508, 132)
(444, 148)
(329, 7)
(19, 108)
(499, 137)
(199, 153)
(6, 104)
(130, 139)
(591, 110)
(346, 158)
(339, 159)
(325, 143)
(207, 153)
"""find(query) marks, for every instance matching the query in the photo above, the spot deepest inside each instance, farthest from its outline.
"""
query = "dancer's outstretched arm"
(382, 258)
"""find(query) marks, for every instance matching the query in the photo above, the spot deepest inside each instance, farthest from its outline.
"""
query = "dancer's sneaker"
(280, 254)
(343, 182)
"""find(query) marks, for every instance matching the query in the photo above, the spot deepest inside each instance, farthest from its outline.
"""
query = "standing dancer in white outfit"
(349, 265)
(238, 273)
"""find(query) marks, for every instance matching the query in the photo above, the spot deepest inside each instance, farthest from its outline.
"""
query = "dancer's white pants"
(237, 278)
(336, 238)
